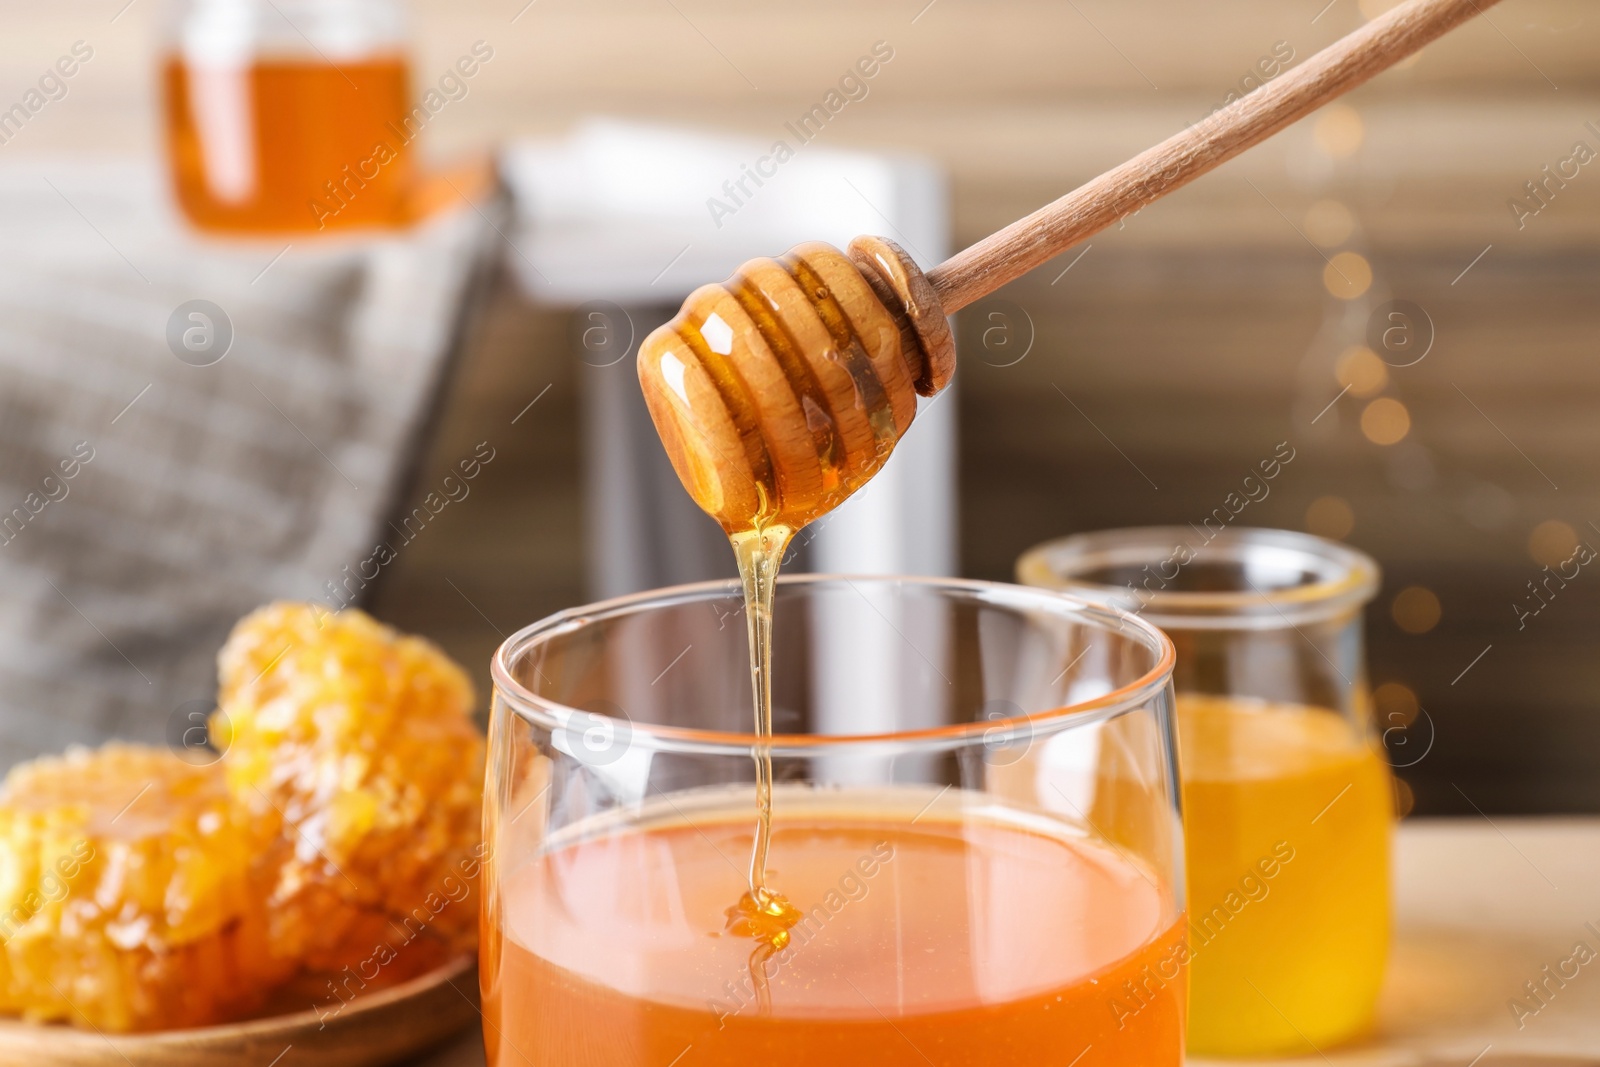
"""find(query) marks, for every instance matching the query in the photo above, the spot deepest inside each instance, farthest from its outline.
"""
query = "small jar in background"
(288, 116)
(1288, 802)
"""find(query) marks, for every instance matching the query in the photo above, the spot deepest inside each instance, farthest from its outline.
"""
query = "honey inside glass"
(974, 817)
(1288, 801)
(289, 116)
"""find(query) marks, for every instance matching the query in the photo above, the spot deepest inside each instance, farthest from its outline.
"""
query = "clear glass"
(1288, 802)
(288, 116)
(975, 814)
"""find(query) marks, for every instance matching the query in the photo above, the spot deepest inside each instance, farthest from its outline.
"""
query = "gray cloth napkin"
(147, 500)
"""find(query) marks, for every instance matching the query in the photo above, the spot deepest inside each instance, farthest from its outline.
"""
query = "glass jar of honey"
(289, 116)
(1288, 800)
(975, 851)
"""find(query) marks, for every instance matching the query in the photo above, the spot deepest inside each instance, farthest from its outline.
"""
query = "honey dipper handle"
(980, 269)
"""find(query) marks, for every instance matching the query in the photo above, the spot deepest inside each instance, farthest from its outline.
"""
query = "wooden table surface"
(1481, 908)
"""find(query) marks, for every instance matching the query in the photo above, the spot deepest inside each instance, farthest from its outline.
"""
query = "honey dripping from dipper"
(811, 363)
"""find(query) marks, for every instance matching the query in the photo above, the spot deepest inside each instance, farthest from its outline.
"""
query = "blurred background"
(433, 354)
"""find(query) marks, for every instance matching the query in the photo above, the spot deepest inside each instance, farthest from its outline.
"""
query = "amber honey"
(1288, 813)
(961, 942)
(290, 145)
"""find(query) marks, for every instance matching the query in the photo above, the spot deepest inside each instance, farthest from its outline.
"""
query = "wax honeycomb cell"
(126, 893)
(360, 740)
(331, 849)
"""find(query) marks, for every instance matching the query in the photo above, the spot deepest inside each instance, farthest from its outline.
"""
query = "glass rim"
(1344, 578)
(553, 715)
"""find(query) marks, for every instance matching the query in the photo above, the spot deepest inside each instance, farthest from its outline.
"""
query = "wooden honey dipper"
(784, 389)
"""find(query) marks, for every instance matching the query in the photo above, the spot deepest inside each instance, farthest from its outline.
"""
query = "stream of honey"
(760, 540)
(957, 941)
(761, 914)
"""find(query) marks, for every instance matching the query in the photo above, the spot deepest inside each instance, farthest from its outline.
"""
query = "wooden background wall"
(1190, 342)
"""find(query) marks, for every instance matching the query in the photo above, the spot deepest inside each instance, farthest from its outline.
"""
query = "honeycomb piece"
(125, 894)
(360, 739)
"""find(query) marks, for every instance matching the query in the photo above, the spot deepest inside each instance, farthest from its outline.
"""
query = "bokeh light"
(1347, 275)
(1552, 542)
(1415, 609)
(1339, 131)
(1385, 421)
(1396, 704)
(1404, 798)
(1329, 223)
(1330, 516)
(1362, 371)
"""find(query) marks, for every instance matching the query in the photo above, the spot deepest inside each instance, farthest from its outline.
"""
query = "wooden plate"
(378, 1028)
